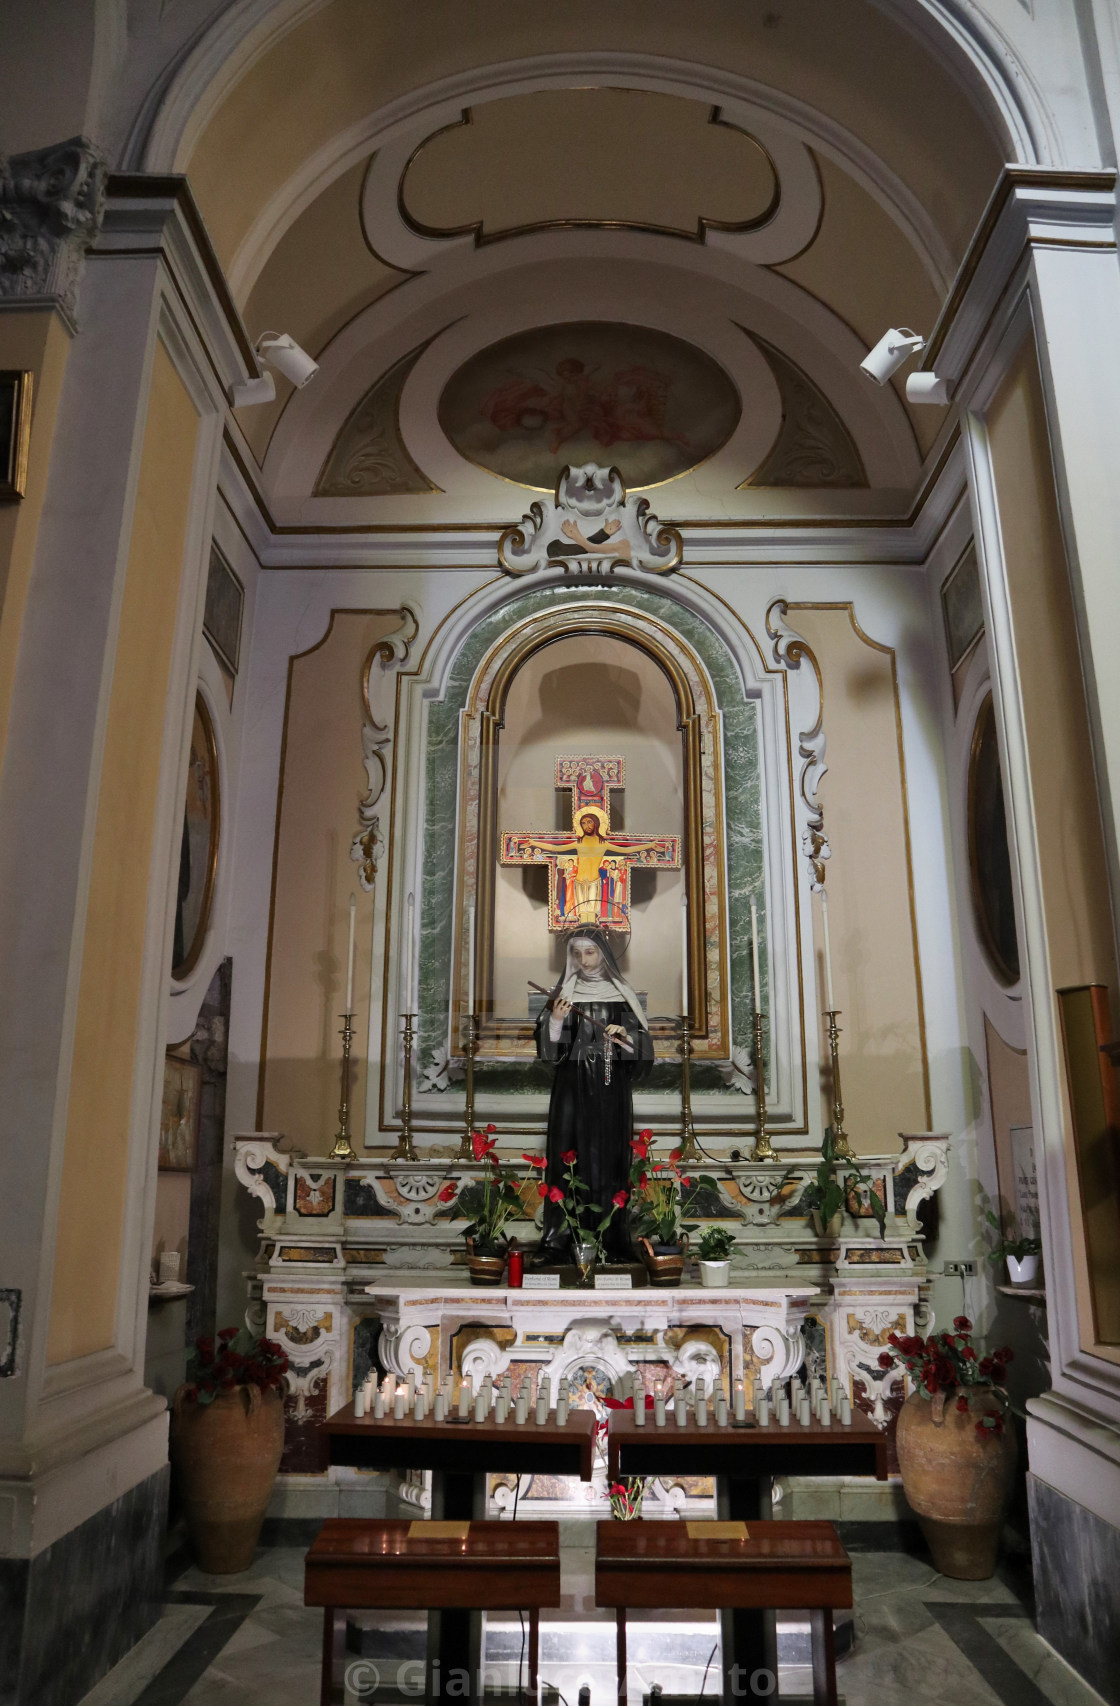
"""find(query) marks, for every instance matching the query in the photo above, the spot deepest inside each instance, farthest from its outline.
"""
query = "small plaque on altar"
(717, 1530)
(447, 1530)
(541, 1282)
(614, 1282)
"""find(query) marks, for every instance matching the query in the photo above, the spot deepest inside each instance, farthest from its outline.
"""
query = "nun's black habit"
(591, 1110)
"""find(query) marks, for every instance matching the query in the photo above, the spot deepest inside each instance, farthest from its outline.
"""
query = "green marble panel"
(743, 829)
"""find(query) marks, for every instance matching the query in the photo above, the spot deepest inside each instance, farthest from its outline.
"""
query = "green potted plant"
(827, 1192)
(955, 1453)
(227, 1438)
(495, 1199)
(660, 1194)
(1021, 1254)
(716, 1245)
(573, 1200)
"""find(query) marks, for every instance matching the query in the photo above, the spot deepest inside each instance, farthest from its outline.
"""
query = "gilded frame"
(17, 387)
(485, 709)
(183, 968)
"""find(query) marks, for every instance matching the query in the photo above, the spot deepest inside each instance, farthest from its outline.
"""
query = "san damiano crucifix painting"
(589, 866)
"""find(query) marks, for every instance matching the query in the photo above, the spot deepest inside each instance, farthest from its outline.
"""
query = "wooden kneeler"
(770, 1566)
(454, 1568)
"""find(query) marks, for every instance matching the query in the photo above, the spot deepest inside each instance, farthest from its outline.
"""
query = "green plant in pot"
(1020, 1254)
(227, 1438)
(661, 1196)
(495, 1199)
(829, 1188)
(716, 1246)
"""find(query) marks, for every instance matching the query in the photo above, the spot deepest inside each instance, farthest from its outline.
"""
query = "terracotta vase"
(484, 1270)
(957, 1481)
(664, 1262)
(225, 1455)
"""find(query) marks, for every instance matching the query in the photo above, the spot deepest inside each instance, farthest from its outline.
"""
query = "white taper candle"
(350, 958)
(407, 985)
(470, 959)
(684, 955)
(757, 987)
(830, 999)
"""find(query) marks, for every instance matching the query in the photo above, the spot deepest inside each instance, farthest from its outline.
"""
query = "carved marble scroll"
(390, 653)
(589, 526)
(790, 651)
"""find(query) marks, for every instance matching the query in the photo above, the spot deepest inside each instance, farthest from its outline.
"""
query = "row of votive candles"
(782, 1403)
(489, 1400)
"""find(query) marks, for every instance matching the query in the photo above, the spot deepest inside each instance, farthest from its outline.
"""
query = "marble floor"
(917, 1636)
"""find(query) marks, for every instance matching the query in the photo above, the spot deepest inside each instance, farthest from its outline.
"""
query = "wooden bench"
(449, 1567)
(771, 1565)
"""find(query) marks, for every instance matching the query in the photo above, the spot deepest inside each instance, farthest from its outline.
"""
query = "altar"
(360, 1266)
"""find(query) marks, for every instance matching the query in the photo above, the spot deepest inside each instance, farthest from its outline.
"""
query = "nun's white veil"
(607, 984)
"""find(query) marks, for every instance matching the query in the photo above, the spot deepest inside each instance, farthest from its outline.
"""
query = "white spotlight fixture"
(888, 355)
(927, 388)
(281, 351)
(278, 350)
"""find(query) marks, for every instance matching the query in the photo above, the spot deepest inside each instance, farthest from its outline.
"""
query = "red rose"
(226, 1334)
(962, 1405)
(535, 1160)
(962, 1324)
(555, 1194)
(620, 1199)
(568, 1157)
(448, 1192)
(885, 1359)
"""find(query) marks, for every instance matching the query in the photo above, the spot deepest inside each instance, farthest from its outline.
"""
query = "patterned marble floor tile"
(127, 1680)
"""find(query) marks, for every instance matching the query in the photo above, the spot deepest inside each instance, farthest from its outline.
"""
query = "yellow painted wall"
(1071, 852)
(95, 1162)
(322, 780)
(34, 340)
(875, 974)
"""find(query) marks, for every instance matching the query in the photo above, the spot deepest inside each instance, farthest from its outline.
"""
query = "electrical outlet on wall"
(964, 1269)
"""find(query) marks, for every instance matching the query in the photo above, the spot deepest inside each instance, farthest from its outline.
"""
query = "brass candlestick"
(404, 1150)
(689, 1151)
(841, 1148)
(762, 1149)
(343, 1149)
(466, 1150)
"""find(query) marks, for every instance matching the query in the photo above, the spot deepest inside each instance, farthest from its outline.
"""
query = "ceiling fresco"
(589, 391)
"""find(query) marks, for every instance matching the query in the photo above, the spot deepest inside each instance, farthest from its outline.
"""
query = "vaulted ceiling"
(423, 198)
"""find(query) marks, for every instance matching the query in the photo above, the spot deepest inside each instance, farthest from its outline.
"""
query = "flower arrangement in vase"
(572, 1198)
(661, 1195)
(626, 1498)
(227, 1438)
(499, 1200)
(956, 1455)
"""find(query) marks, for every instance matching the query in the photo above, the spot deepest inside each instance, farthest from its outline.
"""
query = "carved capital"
(51, 202)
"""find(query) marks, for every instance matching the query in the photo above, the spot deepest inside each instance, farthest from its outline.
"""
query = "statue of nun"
(593, 1028)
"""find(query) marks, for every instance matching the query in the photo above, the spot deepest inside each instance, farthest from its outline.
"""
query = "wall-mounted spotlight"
(893, 348)
(278, 350)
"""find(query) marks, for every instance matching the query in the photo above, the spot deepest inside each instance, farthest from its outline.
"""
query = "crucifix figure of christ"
(589, 866)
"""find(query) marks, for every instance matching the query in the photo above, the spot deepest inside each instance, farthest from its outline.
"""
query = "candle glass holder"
(689, 1150)
(404, 1150)
(343, 1150)
(762, 1148)
(841, 1148)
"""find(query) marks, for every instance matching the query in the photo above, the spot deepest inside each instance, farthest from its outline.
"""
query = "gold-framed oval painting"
(198, 848)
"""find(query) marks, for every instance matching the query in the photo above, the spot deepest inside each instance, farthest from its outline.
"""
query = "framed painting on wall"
(225, 603)
(989, 857)
(198, 852)
(962, 607)
(15, 431)
(178, 1126)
